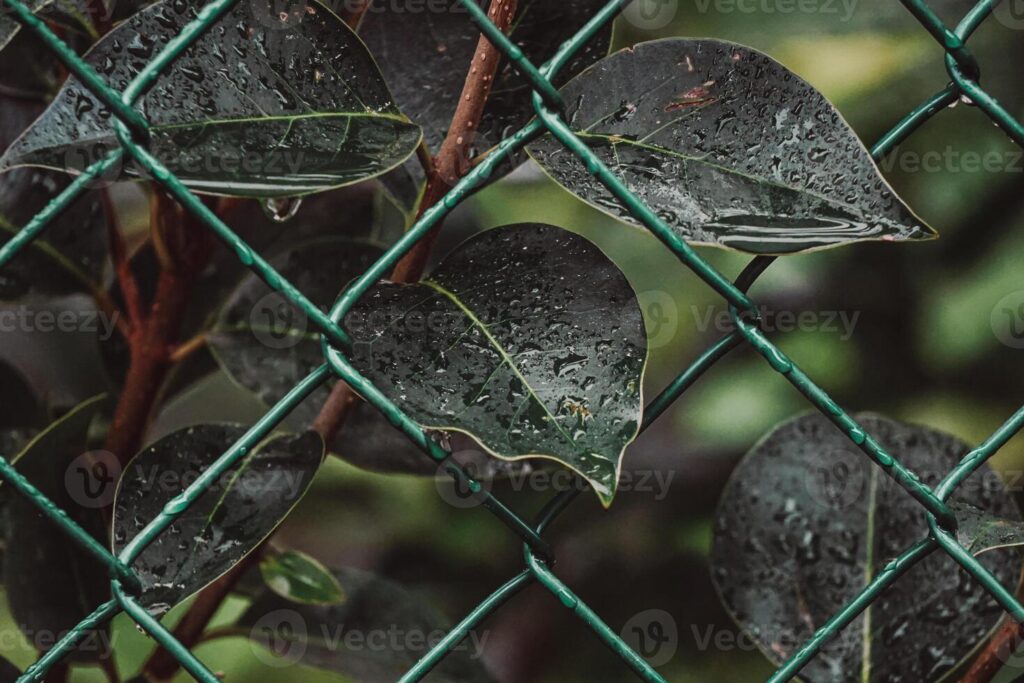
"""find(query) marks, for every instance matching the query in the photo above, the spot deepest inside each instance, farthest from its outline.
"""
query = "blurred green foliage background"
(922, 349)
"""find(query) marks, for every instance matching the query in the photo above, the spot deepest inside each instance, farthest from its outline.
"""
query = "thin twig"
(126, 281)
(186, 349)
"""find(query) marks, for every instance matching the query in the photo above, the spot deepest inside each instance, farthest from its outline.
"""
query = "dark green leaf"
(21, 407)
(28, 71)
(9, 27)
(353, 637)
(980, 531)
(69, 256)
(807, 520)
(8, 672)
(226, 523)
(728, 147)
(425, 55)
(298, 577)
(257, 106)
(526, 337)
(51, 582)
(264, 341)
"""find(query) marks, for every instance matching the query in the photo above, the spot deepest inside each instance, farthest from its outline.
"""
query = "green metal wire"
(132, 128)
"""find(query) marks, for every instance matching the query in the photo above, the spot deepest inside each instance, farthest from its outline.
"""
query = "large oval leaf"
(51, 582)
(227, 522)
(264, 341)
(265, 344)
(728, 147)
(69, 256)
(260, 104)
(526, 337)
(806, 521)
(425, 54)
(373, 636)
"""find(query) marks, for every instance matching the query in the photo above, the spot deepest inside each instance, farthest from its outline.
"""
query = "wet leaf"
(526, 337)
(353, 638)
(260, 105)
(227, 522)
(425, 56)
(298, 577)
(980, 531)
(728, 147)
(807, 520)
(264, 341)
(70, 254)
(51, 582)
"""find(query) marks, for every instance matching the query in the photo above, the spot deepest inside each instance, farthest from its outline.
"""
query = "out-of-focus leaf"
(298, 577)
(352, 637)
(228, 521)
(807, 520)
(728, 147)
(262, 104)
(526, 337)
(425, 56)
(51, 582)
(69, 256)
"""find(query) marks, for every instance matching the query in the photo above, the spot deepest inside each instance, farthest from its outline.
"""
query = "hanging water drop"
(282, 209)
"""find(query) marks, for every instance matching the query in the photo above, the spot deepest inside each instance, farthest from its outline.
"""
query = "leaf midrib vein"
(505, 356)
(618, 140)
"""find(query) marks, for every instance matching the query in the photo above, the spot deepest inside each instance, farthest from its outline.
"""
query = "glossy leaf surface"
(806, 521)
(298, 577)
(728, 147)
(228, 521)
(262, 104)
(526, 337)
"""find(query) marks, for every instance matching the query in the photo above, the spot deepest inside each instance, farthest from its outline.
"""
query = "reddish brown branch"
(156, 331)
(126, 281)
(451, 163)
(162, 665)
(453, 159)
(996, 653)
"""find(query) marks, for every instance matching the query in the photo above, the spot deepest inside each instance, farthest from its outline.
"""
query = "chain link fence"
(132, 131)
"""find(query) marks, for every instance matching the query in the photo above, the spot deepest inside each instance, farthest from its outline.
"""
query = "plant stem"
(153, 332)
(996, 653)
(443, 171)
(453, 159)
(451, 163)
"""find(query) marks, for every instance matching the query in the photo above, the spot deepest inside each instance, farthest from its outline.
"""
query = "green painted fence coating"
(132, 131)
